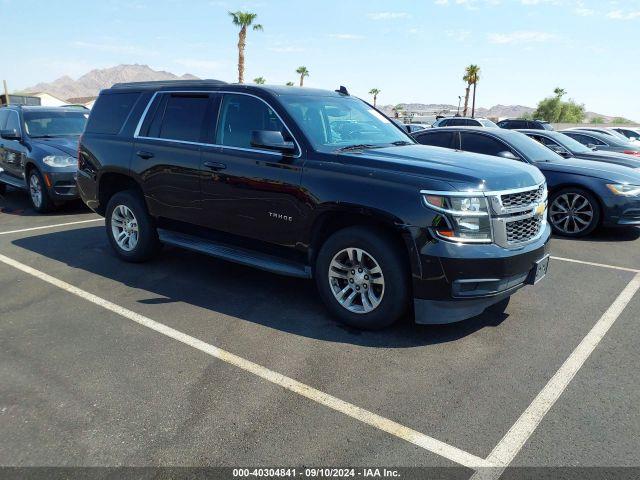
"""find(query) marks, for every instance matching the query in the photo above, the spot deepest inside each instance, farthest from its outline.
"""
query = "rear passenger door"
(485, 144)
(167, 151)
(258, 191)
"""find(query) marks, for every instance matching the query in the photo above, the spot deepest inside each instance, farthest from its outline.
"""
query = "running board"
(239, 255)
(14, 182)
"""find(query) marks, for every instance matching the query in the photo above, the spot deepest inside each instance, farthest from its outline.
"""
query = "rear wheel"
(38, 193)
(573, 212)
(363, 278)
(130, 228)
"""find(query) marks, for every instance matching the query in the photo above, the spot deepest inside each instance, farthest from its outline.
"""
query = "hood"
(591, 168)
(463, 170)
(55, 145)
(610, 157)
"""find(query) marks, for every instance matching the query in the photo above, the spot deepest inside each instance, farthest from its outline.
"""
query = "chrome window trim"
(136, 134)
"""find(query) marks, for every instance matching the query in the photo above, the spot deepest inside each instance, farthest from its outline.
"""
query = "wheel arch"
(112, 182)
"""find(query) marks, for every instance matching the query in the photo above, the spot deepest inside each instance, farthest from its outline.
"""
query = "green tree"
(243, 20)
(259, 81)
(303, 72)
(375, 92)
(597, 120)
(621, 121)
(555, 110)
(471, 77)
(289, 84)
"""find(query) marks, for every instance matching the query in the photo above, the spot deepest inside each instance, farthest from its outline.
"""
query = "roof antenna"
(343, 90)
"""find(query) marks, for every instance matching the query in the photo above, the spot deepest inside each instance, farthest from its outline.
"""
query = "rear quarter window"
(110, 112)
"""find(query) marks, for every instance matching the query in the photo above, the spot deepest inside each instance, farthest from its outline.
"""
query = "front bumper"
(460, 281)
(61, 185)
(622, 211)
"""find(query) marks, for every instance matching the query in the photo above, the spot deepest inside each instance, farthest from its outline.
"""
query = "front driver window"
(243, 114)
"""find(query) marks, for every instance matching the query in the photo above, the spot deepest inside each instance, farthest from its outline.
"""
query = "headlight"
(59, 160)
(463, 219)
(624, 190)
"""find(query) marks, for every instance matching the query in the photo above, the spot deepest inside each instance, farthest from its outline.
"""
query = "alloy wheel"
(124, 227)
(356, 280)
(571, 213)
(35, 190)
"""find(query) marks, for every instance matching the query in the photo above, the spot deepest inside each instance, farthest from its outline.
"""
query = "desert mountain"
(89, 84)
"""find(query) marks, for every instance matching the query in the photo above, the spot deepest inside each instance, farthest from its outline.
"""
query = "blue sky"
(413, 50)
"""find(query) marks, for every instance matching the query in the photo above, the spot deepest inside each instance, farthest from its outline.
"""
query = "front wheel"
(38, 194)
(363, 278)
(573, 212)
(130, 228)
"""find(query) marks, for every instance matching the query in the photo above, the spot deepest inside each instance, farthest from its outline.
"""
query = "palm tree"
(259, 81)
(476, 79)
(470, 77)
(375, 92)
(243, 20)
(289, 84)
(303, 72)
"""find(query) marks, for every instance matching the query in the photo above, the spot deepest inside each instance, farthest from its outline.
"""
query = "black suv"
(38, 152)
(313, 184)
(521, 123)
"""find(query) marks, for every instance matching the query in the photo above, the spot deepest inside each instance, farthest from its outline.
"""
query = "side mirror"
(592, 146)
(560, 151)
(271, 140)
(509, 155)
(10, 135)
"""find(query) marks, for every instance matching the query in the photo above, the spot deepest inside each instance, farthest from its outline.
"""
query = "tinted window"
(3, 118)
(110, 112)
(477, 143)
(183, 117)
(459, 122)
(436, 139)
(585, 139)
(487, 123)
(240, 116)
(13, 122)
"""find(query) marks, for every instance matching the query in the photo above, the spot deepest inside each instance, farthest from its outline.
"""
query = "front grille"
(523, 230)
(522, 199)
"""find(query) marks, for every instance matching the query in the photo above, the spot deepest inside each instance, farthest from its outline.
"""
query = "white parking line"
(511, 444)
(424, 441)
(624, 269)
(52, 226)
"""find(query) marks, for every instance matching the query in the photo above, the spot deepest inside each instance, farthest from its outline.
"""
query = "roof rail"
(169, 83)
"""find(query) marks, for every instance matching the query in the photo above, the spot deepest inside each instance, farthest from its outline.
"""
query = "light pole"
(459, 100)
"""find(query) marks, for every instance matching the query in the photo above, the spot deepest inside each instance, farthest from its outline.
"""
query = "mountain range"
(89, 84)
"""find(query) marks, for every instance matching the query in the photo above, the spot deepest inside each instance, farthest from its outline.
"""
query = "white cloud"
(622, 15)
(387, 15)
(521, 37)
(458, 35)
(346, 36)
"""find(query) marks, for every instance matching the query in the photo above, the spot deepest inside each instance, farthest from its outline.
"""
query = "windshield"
(488, 123)
(570, 144)
(533, 150)
(49, 123)
(332, 123)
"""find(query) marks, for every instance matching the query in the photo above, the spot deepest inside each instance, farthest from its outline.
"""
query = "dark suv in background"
(38, 152)
(313, 184)
(521, 123)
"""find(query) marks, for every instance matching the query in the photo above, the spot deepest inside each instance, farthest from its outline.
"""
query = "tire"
(385, 297)
(126, 212)
(38, 193)
(572, 200)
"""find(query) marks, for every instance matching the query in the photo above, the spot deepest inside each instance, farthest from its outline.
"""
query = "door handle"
(144, 155)
(215, 165)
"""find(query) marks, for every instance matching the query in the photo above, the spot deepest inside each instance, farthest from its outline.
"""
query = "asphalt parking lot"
(191, 361)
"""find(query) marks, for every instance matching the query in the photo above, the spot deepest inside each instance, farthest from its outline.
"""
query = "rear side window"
(110, 112)
(436, 139)
(478, 143)
(3, 118)
(585, 139)
(183, 117)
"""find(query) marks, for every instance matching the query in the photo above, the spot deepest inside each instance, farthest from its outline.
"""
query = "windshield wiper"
(359, 146)
(43, 136)
(402, 143)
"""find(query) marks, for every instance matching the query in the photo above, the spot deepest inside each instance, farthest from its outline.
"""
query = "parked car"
(38, 152)
(521, 123)
(414, 127)
(313, 184)
(603, 141)
(630, 133)
(463, 122)
(583, 194)
(606, 131)
(567, 147)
